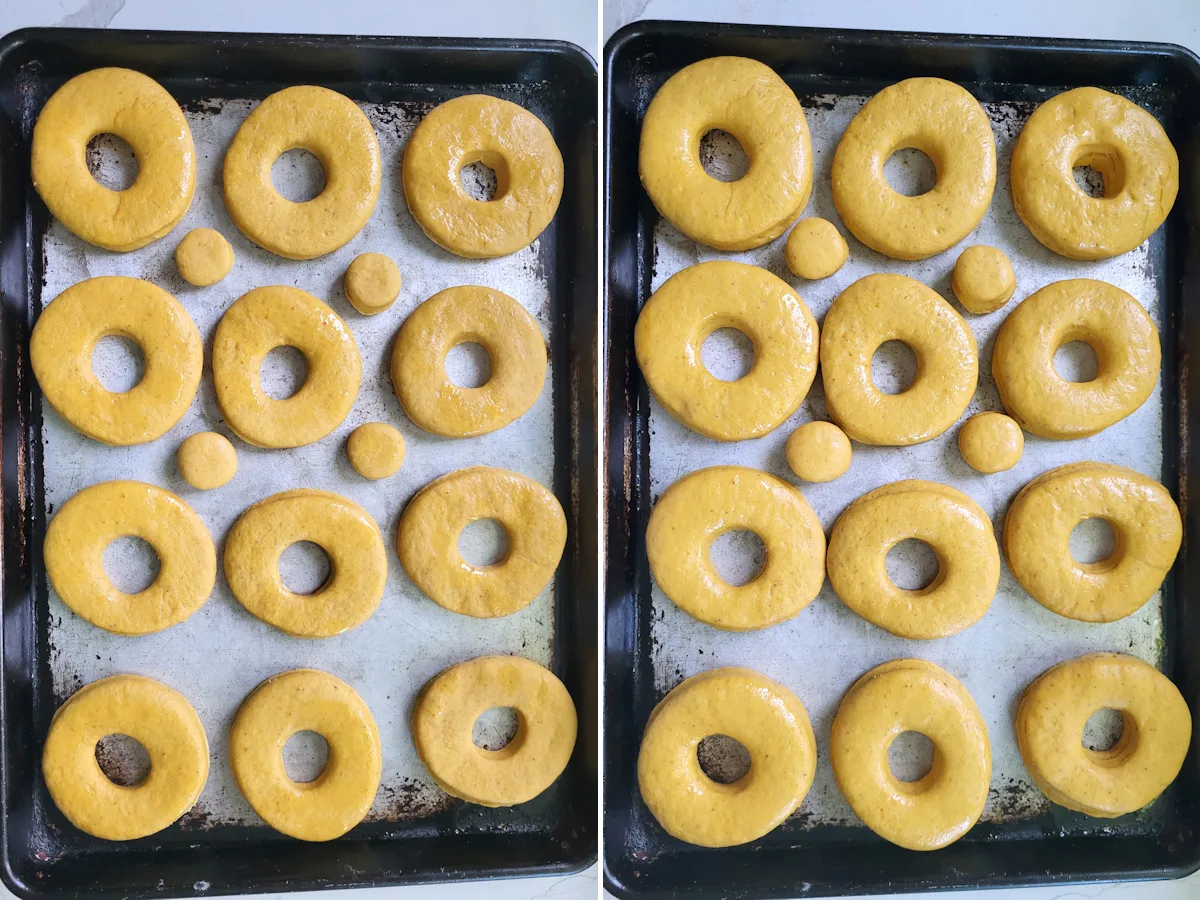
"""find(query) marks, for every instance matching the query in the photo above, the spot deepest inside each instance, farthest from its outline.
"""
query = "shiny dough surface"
(815, 249)
(695, 302)
(376, 450)
(983, 279)
(699, 508)
(818, 451)
(372, 283)
(749, 101)
(207, 460)
(991, 442)
(203, 257)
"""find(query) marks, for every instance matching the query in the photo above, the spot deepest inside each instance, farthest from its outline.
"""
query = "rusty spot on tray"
(410, 799)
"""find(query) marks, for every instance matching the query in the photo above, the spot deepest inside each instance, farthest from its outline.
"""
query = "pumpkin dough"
(766, 718)
(509, 140)
(334, 130)
(376, 450)
(203, 257)
(372, 283)
(306, 700)
(1088, 126)
(66, 333)
(815, 249)
(340, 527)
(448, 706)
(695, 302)
(207, 460)
(818, 451)
(138, 110)
(1107, 319)
(1037, 534)
(881, 308)
(912, 695)
(991, 442)
(699, 508)
(983, 279)
(957, 530)
(752, 103)
(947, 124)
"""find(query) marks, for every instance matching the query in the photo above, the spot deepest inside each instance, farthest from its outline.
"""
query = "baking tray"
(412, 834)
(650, 645)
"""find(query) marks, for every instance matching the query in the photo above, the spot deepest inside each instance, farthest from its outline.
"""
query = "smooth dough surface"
(372, 283)
(953, 525)
(1143, 762)
(448, 706)
(509, 140)
(333, 129)
(983, 279)
(1111, 322)
(886, 307)
(815, 249)
(376, 450)
(207, 460)
(991, 442)
(1088, 126)
(947, 124)
(912, 695)
(340, 527)
(137, 109)
(1037, 534)
(695, 302)
(699, 508)
(203, 257)
(281, 316)
(766, 718)
(154, 715)
(66, 334)
(306, 700)
(433, 520)
(749, 101)
(98, 515)
(818, 451)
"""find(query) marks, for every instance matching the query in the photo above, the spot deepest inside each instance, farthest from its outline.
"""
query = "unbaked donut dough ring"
(509, 140)
(448, 706)
(66, 333)
(98, 515)
(306, 700)
(748, 100)
(139, 110)
(333, 129)
(766, 718)
(947, 124)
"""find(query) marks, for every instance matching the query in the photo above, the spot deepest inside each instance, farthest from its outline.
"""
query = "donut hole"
(1076, 361)
(118, 363)
(304, 567)
(131, 564)
(910, 172)
(283, 372)
(723, 759)
(298, 175)
(123, 760)
(496, 728)
(728, 354)
(1099, 171)
(1109, 736)
(912, 565)
(723, 157)
(305, 756)
(894, 367)
(910, 756)
(738, 556)
(483, 543)
(484, 176)
(1093, 544)
(112, 162)
(468, 365)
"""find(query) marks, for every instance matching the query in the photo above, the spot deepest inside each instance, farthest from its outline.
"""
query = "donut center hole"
(304, 567)
(123, 760)
(738, 556)
(723, 157)
(728, 354)
(283, 372)
(483, 543)
(112, 162)
(1093, 542)
(298, 176)
(912, 565)
(495, 728)
(723, 759)
(483, 176)
(1103, 730)
(1099, 172)
(131, 564)
(894, 367)
(910, 756)
(468, 365)
(910, 172)
(305, 756)
(1076, 361)
(118, 363)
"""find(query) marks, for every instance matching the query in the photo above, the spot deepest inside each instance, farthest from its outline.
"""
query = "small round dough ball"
(372, 283)
(204, 257)
(983, 279)
(991, 442)
(376, 450)
(207, 460)
(818, 451)
(815, 249)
